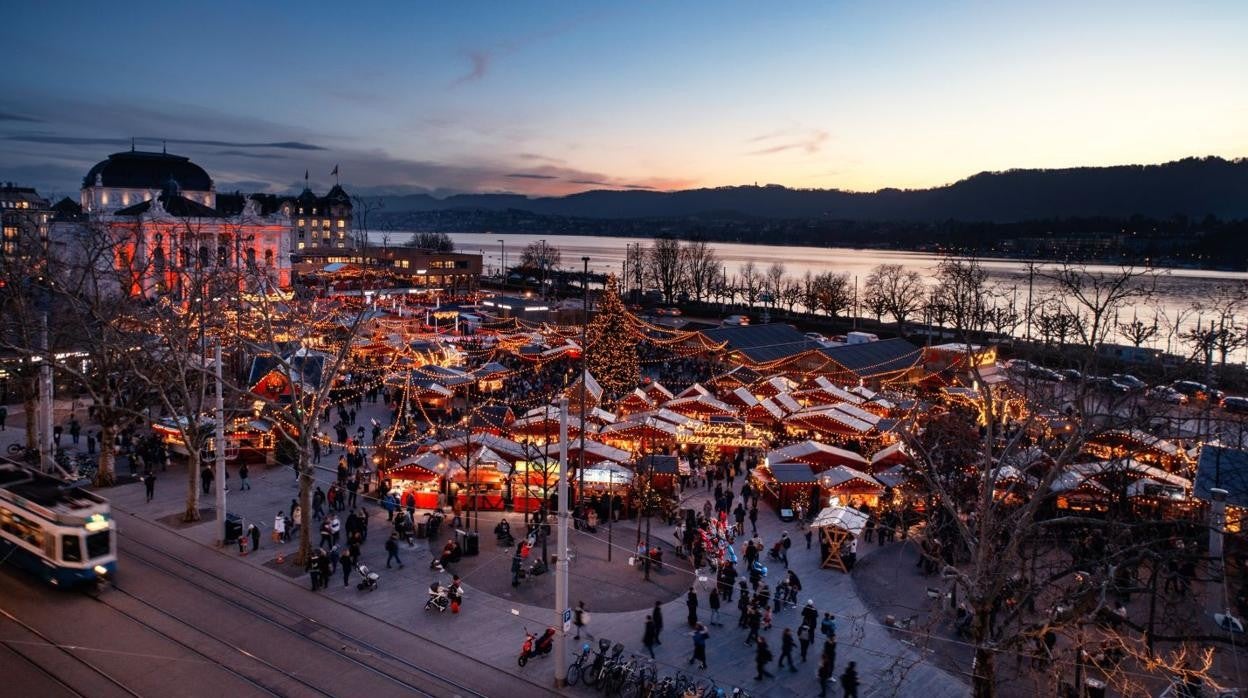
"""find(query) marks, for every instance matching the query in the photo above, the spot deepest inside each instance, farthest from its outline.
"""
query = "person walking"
(691, 602)
(805, 636)
(713, 602)
(205, 479)
(829, 652)
(650, 637)
(810, 614)
(4, 415)
(75, 430)
(828, 626)
(762, 655)
(657, 615)
(700, 636)
(825, 675)
(318, 504)
(254, 532)
(580, 618)
(785, 544)
(754, 518)
(392, 550)
(243, 473)
(753, 621)
(849, 681)
(149, 484)
(786, 650)
(347, 563)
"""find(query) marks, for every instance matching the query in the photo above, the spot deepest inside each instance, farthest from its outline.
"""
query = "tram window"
(97, 545)
(22, 528)
(70, 550)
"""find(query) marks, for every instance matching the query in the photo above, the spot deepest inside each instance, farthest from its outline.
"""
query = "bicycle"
(576, 668)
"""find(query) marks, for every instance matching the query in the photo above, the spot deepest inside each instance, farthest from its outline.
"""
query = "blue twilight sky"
(553, 97)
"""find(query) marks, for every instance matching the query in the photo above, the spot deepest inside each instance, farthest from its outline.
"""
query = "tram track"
(94, 669)
(12, 647)
(365, 655)
(257, 683)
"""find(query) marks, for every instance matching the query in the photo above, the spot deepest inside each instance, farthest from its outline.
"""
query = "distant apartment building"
(24, 217)
(384, 267)
(321, 221)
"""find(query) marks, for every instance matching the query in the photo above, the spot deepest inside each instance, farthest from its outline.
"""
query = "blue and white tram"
(61, 533)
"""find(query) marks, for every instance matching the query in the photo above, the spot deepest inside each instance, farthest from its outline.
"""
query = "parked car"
(1044, 374)
(1198, 391)
(1106, 384)
(816, 337)
(737, 320)
(673, 312)
(1164, 393)
(1129, 380)
(1235, 403)
(1070, 375)
(1019, 365)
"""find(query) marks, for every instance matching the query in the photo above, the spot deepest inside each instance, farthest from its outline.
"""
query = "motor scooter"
(535, 646)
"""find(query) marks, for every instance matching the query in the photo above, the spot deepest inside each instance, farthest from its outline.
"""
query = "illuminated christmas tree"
(611, 353)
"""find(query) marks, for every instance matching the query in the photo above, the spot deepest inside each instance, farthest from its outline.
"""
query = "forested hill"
(1193, 187)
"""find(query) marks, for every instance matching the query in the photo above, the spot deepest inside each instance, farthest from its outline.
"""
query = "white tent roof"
(844, 518)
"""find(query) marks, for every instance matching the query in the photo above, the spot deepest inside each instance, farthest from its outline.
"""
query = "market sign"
(732, 435)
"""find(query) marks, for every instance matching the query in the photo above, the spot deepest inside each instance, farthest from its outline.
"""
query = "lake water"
(1178, 289)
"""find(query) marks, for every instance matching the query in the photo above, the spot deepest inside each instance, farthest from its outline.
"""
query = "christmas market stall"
(663, 472)
(479, 483)
(417, 481)
(845, 485)
(787, 484)
(1222, 469)
(817, 454)
(839, 529)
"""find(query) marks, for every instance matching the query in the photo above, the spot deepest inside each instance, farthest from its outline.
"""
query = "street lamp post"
(580, 468)
(502, 263)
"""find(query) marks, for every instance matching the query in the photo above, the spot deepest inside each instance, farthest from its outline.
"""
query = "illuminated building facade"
(24, 215)
(165, 219)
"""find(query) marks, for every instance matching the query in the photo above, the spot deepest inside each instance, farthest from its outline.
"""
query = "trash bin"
(1094, 688)
(420, 530)
(468, 544)
(233, 527)
(473, 546)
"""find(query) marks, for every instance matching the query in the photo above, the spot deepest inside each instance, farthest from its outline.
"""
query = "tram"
(60, 533)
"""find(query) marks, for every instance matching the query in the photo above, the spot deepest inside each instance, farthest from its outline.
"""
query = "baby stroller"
(439, 598)
(368, 578)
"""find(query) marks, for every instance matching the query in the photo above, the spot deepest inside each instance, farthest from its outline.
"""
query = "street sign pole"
(561, 563)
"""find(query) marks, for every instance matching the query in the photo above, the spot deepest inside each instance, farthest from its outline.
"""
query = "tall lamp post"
(580, 467)
(502, 261)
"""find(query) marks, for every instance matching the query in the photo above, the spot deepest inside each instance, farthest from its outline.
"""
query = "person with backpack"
(805, 636)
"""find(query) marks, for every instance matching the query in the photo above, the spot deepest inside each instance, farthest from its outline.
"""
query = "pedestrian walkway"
(491, 624)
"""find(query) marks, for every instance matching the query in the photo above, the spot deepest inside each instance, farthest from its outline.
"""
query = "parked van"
(860, 338)
(737, 320)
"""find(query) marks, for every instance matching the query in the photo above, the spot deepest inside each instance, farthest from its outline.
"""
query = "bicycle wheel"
(522, 660)
(574, 673)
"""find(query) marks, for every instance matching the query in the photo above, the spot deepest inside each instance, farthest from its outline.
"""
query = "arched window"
(158, 260)
(223, 256)
(205, 259)
(268, 258)
(251, 258)
(185, 260)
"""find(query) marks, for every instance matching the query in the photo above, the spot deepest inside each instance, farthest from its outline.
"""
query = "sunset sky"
(551, 98)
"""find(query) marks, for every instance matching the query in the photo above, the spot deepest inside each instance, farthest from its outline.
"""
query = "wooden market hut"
(481, 482)
(837, 527)
(418, 479)
(636, 401)
(699, 406)
(663, 471)
(657, 392)
(785, 483)
(819, 455)
(845, 485)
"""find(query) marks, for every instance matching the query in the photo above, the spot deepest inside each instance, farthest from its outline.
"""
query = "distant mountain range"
(1192, 187)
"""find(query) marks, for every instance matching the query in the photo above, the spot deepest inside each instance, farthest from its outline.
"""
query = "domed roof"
(140, 170)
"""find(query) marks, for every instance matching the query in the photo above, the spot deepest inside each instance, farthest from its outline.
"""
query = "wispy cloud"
(78, 140)
(258, 156)
(529, 175)
(479, 65)
(9, 116)
(809, 141)
(591, 182)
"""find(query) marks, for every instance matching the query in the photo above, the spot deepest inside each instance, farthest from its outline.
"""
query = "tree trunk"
(106, 472)
(192, 484)
(306, 479)
(982, 678)
(31, 407)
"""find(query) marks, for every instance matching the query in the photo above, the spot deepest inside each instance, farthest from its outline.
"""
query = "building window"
(300, 220)
(302, 245)
(341, 224)
(407, 264)
(268, 258)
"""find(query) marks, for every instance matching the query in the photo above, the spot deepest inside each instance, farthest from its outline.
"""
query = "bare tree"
(774, 282)
(664, 268)
(701, 266)
(437, 242)
(540, 255)
(751, 282)
(898, 292)
(834, 293)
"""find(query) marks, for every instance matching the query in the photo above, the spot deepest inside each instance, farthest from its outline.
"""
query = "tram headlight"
(101, 570)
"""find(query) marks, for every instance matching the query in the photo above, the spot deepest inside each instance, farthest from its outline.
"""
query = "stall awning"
(844, 518)
(814, 453)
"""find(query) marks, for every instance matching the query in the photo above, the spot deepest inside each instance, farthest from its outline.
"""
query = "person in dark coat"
(829, 652)
(254, 532)
(805, 636)
(657, 615)
(149, 484)
(345, 561)
(699, 645)
(691, 602)
(825, 675)
(849, 681)
(713, 602)
(786, 650)
(762, 655)
(650, 637)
